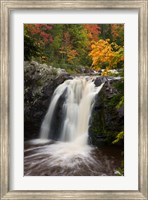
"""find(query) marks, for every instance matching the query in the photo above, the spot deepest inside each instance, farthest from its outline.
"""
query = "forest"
(72, 46)
(74, 87)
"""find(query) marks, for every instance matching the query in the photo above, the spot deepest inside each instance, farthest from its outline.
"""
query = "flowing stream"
(63, 148)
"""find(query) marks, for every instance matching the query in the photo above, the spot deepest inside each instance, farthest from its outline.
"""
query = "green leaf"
(119, 137)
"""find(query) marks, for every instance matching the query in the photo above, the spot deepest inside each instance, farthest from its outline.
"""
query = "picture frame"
(6, 7)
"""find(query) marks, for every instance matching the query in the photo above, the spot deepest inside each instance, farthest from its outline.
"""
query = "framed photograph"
(74, 99)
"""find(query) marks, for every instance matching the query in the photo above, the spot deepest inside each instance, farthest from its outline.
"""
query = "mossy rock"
(107, 120)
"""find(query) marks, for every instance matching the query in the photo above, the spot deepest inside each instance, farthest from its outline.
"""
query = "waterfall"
(68, 153)
(79, 96)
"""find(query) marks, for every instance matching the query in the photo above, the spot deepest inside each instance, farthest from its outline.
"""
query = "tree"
(93, 31)
(107, 54)
(31, 49)
(117, 32)
(36, 38)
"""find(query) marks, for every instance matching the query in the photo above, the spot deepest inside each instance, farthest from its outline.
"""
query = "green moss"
(119, 86)
(113, 102)
(121, 103)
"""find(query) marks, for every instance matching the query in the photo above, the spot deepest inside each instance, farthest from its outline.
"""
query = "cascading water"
(70, 153)
(79, 99)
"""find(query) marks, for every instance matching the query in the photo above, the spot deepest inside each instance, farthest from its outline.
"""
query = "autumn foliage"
(105, 53)
(70, 45)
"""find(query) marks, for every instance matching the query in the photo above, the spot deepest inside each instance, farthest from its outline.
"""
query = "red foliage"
(40, 31)
(93, 31)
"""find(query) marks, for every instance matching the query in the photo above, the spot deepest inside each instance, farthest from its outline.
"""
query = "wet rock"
(99, 80)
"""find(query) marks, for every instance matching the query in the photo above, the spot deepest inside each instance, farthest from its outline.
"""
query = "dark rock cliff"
(107, 120)
(40, 82)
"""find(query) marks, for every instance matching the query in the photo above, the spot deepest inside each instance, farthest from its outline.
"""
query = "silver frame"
(6, 7)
